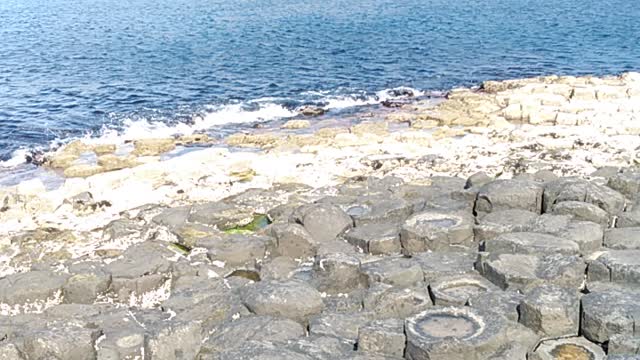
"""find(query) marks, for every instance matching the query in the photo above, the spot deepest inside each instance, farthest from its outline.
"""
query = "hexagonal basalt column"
(577, 348)
(509, 194)
(619, 266)
(437, 231)
(454, 333)
(456, 290)
(609, 312)
(551, 310)
(530, 243)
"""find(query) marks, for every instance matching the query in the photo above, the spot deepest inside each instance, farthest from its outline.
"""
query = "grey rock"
(551, 310)
(437, 231)
(321, 347)
(519, 271)
(173, 340)
(437, 264)
(259, 350)
(379, 209)
(144, 267)
(586, 234)
(337, 273)
(608, 313)
(87, 282)
(550, 223)
(345, 303)
(289, 299)
(454, 333)
(618, 266)
(236, 334)
(325, 222)
(629, 218)
(31, 287)
(294, 241)
(458, 289)
(384, 337)
(503, 222)
(567, 348)
(173, 218)
(505, 303)
(9, 351)
(624, 344)
(279, 268)
(387, 302)
(376, 239)
(622, 238)
(530, 243)
(581, 211)
(477, 180)
(627, 183)
(221, 215)
(509, 194)
(396, 271)
(61, 341)
(574, 189)
(238, 250)
(338, 325)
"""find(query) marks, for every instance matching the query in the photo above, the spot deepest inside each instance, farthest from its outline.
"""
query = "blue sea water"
(69, 68)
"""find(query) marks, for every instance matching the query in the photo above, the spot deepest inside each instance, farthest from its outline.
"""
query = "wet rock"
(236, 334)
(385, 337)
(294, 241)
(567, 348)
(509, 194)
(323, 221)
(30, 291)
(153, 147)
(396, 271)
(454, 333)
(519, 271)
(530, 243)
(221, 215)
(503, 222)
(437, 231)
(622, 238)
(339, 325)
(505, 303)
(458, 289)
(582, 211)
(386, 301)
(311, 110)
(289, 299)
(619, 266)
(437, 264)
(609, 312)
(143, 268)
(551, 310)
(87, 282)
(337, 273)
(376, 239)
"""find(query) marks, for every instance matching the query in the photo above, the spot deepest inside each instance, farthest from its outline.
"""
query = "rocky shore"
(496, 223)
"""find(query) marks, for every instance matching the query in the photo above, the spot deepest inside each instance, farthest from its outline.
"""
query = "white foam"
(17, 157)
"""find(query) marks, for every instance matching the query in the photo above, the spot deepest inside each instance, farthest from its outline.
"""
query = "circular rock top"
(457, 289)
(441, 324)
(573, 348)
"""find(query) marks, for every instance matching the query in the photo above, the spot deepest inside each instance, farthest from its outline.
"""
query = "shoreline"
(313, 240)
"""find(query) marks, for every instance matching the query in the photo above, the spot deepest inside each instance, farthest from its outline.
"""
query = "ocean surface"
(113, 68)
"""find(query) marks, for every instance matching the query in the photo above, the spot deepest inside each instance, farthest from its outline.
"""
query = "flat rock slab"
(610, 312)
(530, 243)
(397, 271)
(567, 348)
(437, 264)
(575, 189)
(619, 266)
(454, 333)
(376, 239)
(622, 238)
(458, 289)
(289, 299)
(385, 301)
(437, 231)
(581, 211)
(551, 310)
(519, 271)
(505, 303)
(502, 222)
(339, 325)
(323, 221)
(30, 291)
(509, 194)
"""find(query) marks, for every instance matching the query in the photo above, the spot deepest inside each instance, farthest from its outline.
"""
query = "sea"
(109, 70)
